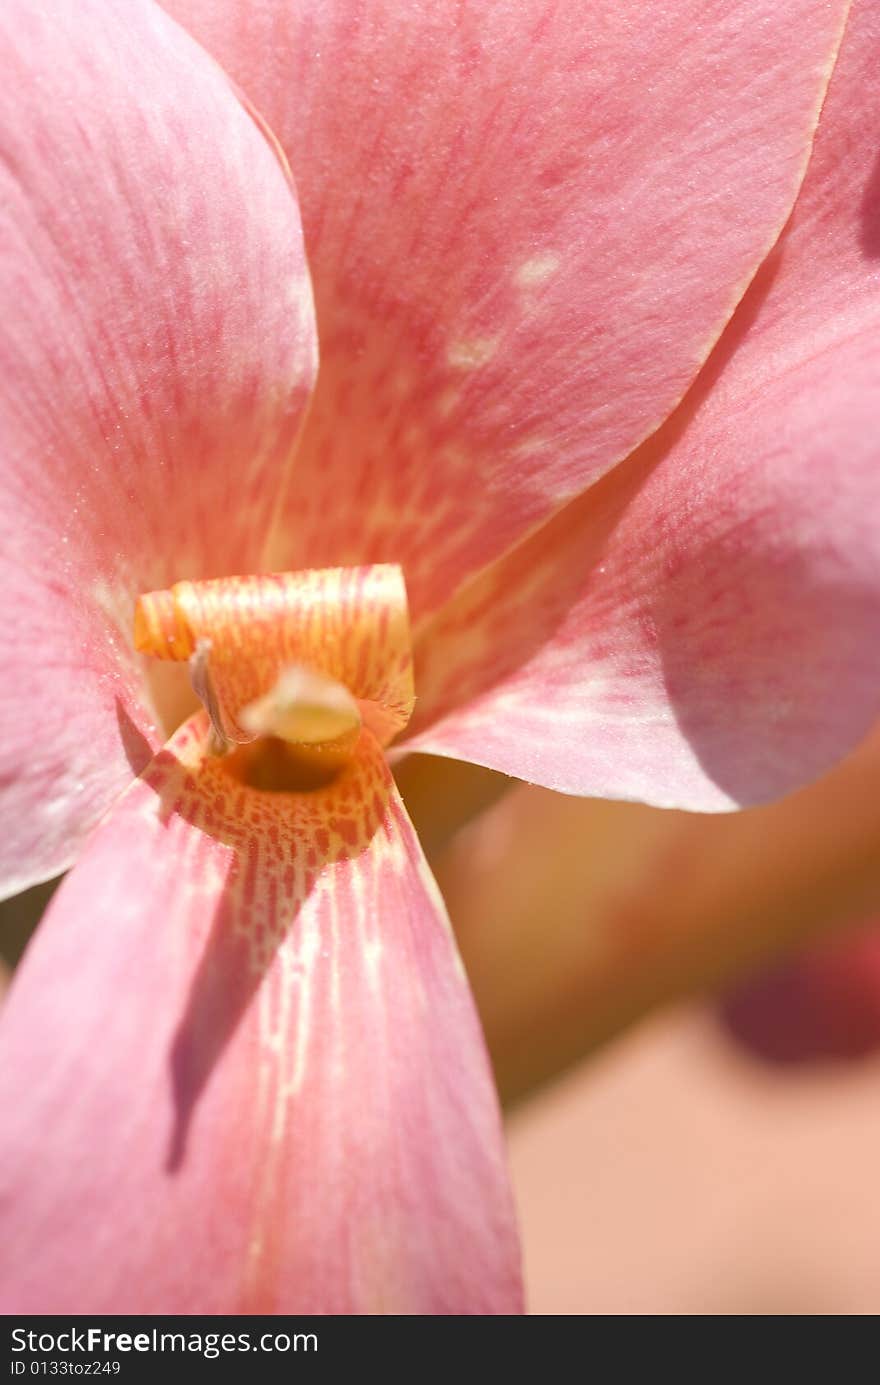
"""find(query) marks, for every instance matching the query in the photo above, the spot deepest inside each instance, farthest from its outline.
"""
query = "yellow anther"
(304, 707)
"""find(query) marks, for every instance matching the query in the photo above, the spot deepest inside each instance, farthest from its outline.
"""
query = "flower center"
(292, 668)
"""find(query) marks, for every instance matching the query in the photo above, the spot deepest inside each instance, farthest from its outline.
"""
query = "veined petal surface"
(157, 345)
(527, 224)
(241, 1069)
(701, 630)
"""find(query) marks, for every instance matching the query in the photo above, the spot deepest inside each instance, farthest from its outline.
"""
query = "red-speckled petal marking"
(241, 1070)
(349, 623)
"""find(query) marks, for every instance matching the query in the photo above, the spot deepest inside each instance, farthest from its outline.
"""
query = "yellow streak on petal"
(161, 628)
(537, 270)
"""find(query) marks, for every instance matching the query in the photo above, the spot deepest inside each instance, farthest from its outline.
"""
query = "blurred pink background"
(673, 1174)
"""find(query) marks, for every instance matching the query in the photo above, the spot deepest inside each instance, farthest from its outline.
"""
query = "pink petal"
(527, 224)
(822, 1004)
(241, 1067)
(157, 347)
(702, 629)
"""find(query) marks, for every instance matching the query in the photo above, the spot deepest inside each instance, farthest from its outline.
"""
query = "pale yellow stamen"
(304, 707)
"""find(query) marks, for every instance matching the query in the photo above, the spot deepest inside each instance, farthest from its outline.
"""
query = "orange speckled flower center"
(300, 660)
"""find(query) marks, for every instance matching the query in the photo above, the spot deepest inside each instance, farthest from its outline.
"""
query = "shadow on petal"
(138, 751)
(870, 230)
(278, 845)
(768, 663)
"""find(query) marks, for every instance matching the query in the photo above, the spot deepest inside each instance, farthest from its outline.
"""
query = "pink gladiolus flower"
(241, 1067)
